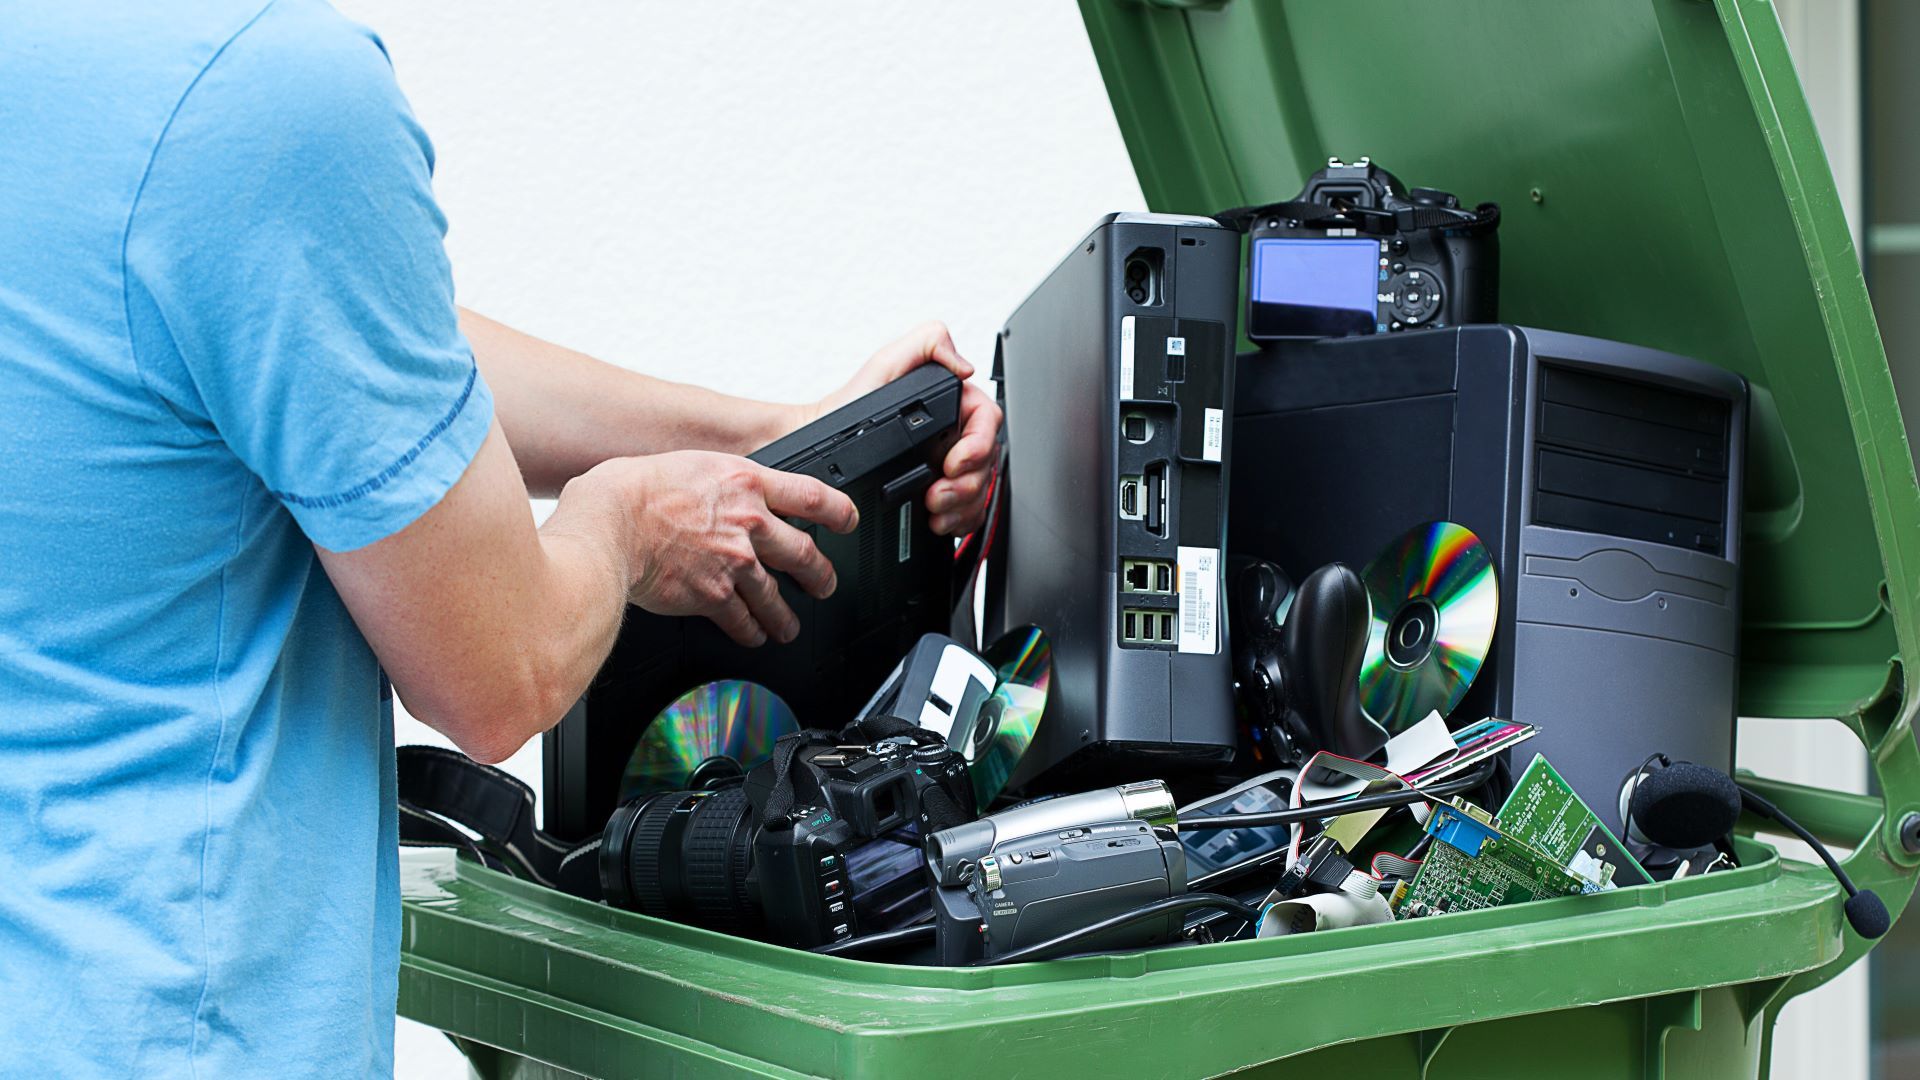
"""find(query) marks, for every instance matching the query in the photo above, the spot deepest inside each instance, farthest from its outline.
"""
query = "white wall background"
(753, 196)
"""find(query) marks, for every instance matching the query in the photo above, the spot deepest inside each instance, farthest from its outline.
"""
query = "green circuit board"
(1473, 864)
(1544, 811)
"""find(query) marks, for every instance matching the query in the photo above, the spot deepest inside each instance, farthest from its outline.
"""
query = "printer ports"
(1153, 577)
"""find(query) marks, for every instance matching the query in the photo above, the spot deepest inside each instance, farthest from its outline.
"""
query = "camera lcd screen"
(1313, 288)
(889, 878)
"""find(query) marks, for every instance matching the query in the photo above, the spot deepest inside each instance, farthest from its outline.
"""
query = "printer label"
(1126, 358)
(1199, 599)
(1215, 435)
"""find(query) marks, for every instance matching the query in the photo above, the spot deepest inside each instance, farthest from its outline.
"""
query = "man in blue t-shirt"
(251, 456)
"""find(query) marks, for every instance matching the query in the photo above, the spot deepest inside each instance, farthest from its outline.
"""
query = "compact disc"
(722, 728)
(1435, 602)
(1023, 666)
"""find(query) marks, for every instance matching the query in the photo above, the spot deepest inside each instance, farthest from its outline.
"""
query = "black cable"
(899, 936)
(1639, 774)
(1762, 808)
(1183, 902)
(1317, 811)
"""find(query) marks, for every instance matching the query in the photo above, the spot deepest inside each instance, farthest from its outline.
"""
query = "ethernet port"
(1139, 576)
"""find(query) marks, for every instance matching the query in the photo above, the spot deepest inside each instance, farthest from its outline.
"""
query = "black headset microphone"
(1685, 806)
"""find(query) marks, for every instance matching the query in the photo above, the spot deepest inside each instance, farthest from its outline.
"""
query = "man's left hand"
(957, 502)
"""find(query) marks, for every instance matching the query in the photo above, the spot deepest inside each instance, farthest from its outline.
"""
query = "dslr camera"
(1358, 253)
(820, 843)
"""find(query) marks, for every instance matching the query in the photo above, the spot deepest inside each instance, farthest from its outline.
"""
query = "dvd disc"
(1435, 602)
(1023, 666)
(722, 728)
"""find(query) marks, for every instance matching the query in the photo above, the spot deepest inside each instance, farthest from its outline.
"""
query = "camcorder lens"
(684, 855)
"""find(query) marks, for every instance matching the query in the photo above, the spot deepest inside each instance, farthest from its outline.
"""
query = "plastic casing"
(1117, 711)
(1685, 205)
(1612, 644)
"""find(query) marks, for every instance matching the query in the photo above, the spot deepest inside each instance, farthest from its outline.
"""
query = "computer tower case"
(1117, 378)
(1603, 478)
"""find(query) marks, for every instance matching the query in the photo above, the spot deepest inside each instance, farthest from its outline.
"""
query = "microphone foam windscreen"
(1867, 915)
(1685, 806)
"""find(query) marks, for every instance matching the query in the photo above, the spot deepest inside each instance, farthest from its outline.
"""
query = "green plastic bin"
(1663, 184)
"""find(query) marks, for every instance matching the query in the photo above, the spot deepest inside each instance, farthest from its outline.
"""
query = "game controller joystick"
(1298, 679)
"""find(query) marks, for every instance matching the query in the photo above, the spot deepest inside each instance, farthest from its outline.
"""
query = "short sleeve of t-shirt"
(288, 291)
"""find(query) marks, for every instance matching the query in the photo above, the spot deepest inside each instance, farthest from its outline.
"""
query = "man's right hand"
(490, 630)
(705, 530)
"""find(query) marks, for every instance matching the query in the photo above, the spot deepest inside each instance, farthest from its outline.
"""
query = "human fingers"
(932, 341)
(792, 495)
(761, 594)
(979, 433)
(737, 622)
(783, 547)
(957, 493)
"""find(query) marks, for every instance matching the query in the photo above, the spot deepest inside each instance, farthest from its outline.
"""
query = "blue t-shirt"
(227, 334)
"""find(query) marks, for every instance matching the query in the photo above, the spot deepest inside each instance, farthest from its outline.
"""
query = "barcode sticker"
(1176, 346)
(1126, 357)
(1214, 435)
(1199, 599)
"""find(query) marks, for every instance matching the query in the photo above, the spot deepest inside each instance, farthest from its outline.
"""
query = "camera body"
(845, 853)
(820, 843)
(1358, 253)
(1032, 873)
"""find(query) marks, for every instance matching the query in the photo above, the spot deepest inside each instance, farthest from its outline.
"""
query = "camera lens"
(683, 855)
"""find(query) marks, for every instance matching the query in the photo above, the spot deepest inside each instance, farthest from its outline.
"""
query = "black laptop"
(895, 584)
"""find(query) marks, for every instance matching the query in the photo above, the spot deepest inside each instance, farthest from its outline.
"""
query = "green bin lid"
(1661, 183)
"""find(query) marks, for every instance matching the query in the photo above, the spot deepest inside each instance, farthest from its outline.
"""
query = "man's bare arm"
(491, 629)
(565, 412)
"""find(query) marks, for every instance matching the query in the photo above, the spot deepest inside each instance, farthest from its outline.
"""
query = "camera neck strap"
(776, 812)
(447, 799)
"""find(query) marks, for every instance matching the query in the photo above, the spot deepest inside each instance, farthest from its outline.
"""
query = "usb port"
(1130, 499)
(1140, 626)
(1154, 492)
(1162, 578)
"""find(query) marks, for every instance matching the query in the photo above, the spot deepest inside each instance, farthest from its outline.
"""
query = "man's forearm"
(565, 412)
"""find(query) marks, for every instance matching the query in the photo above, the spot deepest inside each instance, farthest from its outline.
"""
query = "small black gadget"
(1680, 806)
(896, 583)
(1298, 681)
(819, 843)
(1358, 253)
(939, 686)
